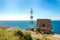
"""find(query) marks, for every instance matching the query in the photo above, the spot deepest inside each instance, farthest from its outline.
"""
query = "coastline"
(34, 35)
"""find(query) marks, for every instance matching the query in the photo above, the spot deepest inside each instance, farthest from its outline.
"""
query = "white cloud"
(25, 17)
(15, 17)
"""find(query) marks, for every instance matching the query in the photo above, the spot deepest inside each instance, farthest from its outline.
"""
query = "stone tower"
(44, 26)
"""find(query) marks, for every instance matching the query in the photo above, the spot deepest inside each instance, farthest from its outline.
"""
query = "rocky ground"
(45, 36)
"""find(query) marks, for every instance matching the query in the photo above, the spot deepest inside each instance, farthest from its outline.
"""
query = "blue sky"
(20, 9)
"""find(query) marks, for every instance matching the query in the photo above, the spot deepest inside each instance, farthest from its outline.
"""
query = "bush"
(37, 39)
(45, 37)
(15, 34)
(26, 36)
(19, 33)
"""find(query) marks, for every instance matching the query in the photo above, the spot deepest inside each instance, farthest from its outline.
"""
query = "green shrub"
(37, 39)
(15, 34)
(18, 33)
(27, 36)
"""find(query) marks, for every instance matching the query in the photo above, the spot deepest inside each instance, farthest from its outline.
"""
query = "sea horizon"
(25, 24)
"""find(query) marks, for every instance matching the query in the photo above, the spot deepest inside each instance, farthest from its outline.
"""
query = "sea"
(26, 24)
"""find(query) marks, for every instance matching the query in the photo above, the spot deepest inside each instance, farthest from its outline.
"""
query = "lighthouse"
(31, 20)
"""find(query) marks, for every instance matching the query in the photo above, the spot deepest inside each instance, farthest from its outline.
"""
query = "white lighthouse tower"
(31, 20)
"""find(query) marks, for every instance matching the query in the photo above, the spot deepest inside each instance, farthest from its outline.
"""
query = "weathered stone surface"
(44, 26)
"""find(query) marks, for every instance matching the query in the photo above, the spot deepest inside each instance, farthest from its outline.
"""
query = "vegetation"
(7, 33)
(45, 37)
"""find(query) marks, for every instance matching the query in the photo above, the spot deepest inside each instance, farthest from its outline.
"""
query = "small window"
(43, 25)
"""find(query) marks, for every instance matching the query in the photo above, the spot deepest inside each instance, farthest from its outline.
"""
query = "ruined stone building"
(44, 26)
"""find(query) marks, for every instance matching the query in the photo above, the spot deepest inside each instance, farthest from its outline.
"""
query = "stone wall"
(44, 26)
